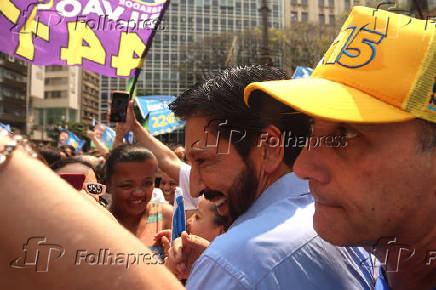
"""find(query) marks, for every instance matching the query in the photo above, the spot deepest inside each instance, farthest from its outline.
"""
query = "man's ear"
(272, 149)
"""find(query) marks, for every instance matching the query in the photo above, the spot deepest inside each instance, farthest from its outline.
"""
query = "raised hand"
(183, 254)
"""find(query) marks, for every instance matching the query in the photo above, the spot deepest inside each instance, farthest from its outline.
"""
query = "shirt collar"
(287, 186)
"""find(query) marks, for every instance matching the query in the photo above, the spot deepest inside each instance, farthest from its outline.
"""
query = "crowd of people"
(271, 201)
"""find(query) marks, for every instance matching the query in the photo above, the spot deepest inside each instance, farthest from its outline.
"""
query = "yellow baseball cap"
(381, 68)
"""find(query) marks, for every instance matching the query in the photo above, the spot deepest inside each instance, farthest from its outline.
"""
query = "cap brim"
(329, 100)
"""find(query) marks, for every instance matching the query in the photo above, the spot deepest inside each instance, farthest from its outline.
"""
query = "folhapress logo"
(37, 254)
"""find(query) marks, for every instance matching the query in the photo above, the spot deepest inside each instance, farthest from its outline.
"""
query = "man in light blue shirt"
(273, 246)
(242, 162)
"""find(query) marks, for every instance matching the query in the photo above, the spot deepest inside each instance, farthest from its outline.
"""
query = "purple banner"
(105, 36)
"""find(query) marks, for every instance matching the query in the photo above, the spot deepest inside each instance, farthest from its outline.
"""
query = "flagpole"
(147, 47)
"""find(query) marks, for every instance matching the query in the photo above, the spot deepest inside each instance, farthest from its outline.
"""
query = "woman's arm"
(35, 202)
(98, 144)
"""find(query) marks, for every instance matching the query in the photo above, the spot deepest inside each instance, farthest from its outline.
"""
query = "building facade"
(187, 22)
(90, 96)
(70, 94)
(323, 12)
(13, 78)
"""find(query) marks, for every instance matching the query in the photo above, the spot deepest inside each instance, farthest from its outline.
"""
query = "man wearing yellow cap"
(376, 87)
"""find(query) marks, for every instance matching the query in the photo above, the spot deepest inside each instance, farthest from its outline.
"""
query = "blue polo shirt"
(273, 246)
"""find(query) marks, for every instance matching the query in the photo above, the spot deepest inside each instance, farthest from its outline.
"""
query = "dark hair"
(221, 98)
(50, 154)
(218, 219)
(69, 160)
(71, 147)
(126, 153)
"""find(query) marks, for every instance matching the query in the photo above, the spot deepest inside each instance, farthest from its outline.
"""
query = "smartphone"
(75, 179)
(120, 101)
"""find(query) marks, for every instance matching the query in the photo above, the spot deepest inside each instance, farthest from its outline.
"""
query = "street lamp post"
(265, 58)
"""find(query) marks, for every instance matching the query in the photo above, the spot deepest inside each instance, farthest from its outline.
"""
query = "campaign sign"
(105, 36)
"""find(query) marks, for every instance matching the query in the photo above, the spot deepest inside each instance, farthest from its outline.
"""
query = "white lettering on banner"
(140, 7)
(61, 7)
(73, 8)
(93, 6)
(112, 14)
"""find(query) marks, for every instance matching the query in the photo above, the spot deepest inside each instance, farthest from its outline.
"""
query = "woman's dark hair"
(69, 160)
(218, 219)
(50, 154)
(71, 147)
(126, 153)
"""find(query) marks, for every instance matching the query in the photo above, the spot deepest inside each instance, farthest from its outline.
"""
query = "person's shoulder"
(163, 206)
(166, 208)
(277, 232)
(210, 273)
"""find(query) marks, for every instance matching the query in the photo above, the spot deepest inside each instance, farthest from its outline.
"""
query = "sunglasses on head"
(94, 188)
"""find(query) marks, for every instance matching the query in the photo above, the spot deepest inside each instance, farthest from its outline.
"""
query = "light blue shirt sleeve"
(314, 266)
(208, 274)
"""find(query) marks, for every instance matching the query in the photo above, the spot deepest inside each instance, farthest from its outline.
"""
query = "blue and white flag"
(6, 126)
(72, 139)
(179, 219)
(160, 120)
(108, 137)
(302, 72)
(149, 104)
(163, 121)
(128, 138)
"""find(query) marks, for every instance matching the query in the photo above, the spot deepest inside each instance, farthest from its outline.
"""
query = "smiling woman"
(130, 174)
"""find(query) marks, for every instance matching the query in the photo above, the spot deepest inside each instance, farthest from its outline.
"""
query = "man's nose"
(310, 166)
(195, 182)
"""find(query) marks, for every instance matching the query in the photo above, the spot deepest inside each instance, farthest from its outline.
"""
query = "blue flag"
(6, 126)
(179, 220)
(71, 139)
(302, 72)
(128, 138)
(160, 119)
(108, 137)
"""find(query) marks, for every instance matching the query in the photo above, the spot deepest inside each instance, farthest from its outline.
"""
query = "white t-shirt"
(190, 202)
(157, 195)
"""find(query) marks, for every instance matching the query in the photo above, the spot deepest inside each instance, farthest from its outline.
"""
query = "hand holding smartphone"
(120, 101)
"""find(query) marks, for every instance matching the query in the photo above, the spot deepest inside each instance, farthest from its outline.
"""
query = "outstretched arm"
(98, 144)
(43, 205)
(167, 159)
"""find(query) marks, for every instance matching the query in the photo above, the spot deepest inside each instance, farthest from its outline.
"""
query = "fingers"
(193, 242)
(177, 268)
(163, 233)
(131, 118)
(178, 250)
(166, 245)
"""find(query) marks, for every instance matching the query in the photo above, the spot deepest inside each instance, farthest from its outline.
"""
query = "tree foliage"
(302, 44)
